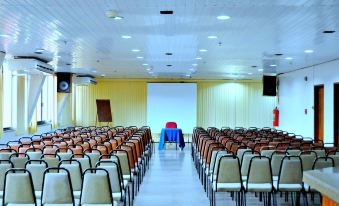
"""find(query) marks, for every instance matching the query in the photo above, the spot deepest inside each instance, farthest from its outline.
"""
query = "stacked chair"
(75, 166)
(263, 161)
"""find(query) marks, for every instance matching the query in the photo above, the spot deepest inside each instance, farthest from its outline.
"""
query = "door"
(336, 114)
(319, 113)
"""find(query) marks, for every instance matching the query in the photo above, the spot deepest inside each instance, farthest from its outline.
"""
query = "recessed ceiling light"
(289, 58)
(126, 37)
(192, 69)
(188, 75)
(135, 50)
(273, 65)
(94, 71)
(260, 70)
(212, 37)
(118, 18)
(57, 56)
(150, 72)
(39, 50)
(223, 17)
(198, 58)
(194, 65)
(5, 36)
(140, 57)
(308, 51)
(103, 75)
(203, 50)
(145, 64)
(148, 69)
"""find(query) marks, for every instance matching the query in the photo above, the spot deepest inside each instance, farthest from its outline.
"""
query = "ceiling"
(77, 32)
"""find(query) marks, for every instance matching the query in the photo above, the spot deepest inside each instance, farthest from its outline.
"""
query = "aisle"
(171, 180)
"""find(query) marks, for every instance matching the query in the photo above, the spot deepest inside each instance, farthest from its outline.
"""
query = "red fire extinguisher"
(276, 117)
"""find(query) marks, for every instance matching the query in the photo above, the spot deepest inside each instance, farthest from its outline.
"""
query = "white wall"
(296, 95)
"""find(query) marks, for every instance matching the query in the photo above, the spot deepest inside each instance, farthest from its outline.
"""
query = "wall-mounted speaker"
(269, 85)
(64, 82)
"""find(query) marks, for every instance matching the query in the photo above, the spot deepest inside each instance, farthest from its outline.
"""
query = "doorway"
(336, 114)
(319, 113)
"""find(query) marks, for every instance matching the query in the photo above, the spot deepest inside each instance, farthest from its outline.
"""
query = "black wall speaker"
(64, 82)
(269, 85)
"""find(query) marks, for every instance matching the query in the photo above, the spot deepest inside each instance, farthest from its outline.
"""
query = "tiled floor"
(172, 180)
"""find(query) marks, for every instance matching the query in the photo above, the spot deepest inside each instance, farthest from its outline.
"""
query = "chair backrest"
(171, 125)
(320, 152)
(37, 169)
(96, 187)
(259, 170)
(228, 170)
(85, 161)
(245, 163)
(19, 159)
(276, 159)
(307, 159)
(18, 187)
(114, 174)
(124, 163)
(75, 172)
(4, 166)
(35, 154)
(94, 156)
(291, 171)
(52, 160)
(336, 159)
(214, 155)
(240, 153)
(57, 187)
(323, 162)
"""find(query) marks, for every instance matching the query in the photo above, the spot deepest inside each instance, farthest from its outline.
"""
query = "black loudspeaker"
(269, 85)
(64, 82)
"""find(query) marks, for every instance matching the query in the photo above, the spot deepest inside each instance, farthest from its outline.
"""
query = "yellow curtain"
(233, 104)
(128, 102)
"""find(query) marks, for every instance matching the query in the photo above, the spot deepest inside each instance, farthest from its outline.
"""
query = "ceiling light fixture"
(94, 71)
(198, 58)
(39, 50)
(223, 17)
(135, 50)
(289, 58)
(5, 36)
(273, 65)
(148, 69)
(260, 70)
(140, 57)
(192, 69)
(308, 51)
(169, 65)
(126, 37)
(194, 65)
(169, 53)
(250, 73)
(113, 14)
(212, 37)
(203, 50)
(145, 64)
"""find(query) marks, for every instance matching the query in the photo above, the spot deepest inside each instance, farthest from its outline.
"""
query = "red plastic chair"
(171, 125)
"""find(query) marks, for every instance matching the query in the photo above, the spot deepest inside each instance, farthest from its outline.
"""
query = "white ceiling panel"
(77, 32)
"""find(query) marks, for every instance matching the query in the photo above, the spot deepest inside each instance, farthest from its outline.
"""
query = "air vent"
(166, 12)
(328, 31)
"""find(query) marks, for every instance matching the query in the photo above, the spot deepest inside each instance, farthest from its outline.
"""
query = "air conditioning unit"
(30, 65)
(84, 80)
